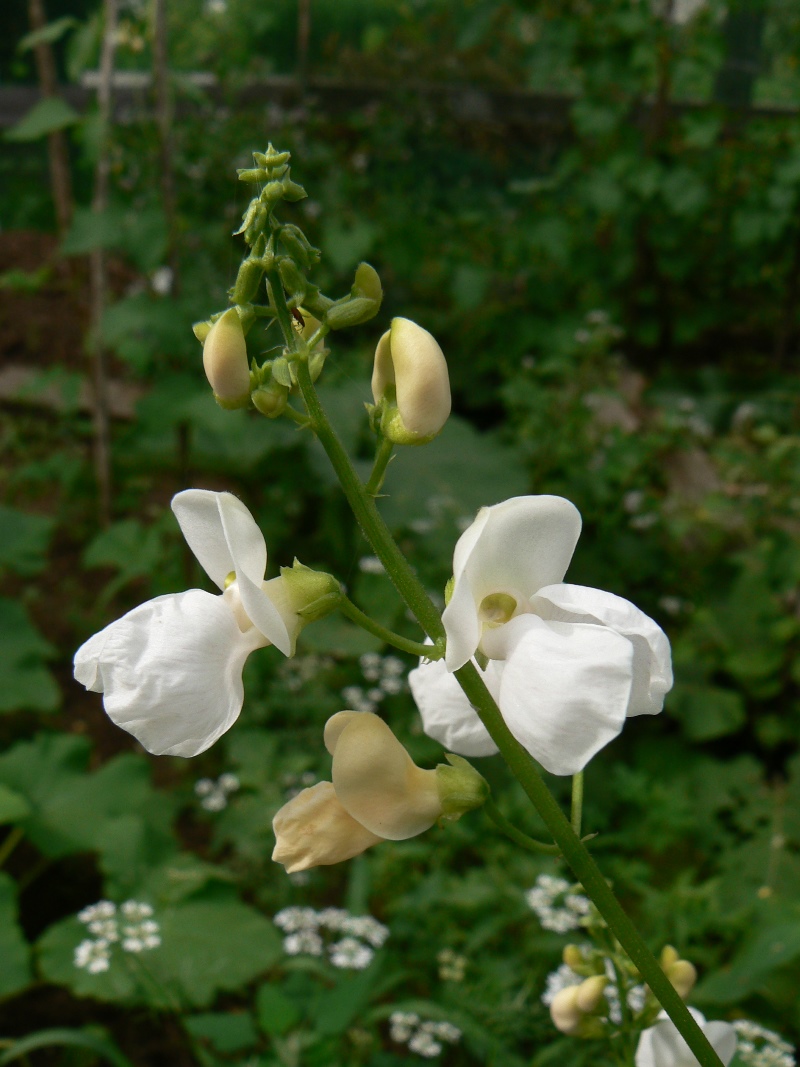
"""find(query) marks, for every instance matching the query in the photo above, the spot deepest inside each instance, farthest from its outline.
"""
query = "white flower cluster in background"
(295, 783)
(759, 1047)
(423, 1036)
(214, 794)
(557, 907)
(299, 670)
(386, 673)
(451, 965)
(349, 941)
(131, 926)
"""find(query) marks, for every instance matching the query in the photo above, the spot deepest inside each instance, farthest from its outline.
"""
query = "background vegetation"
(595, 210)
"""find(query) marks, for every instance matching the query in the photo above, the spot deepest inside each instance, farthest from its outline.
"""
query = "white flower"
(351, 954)
(568, 663)
(103, 909)
(662, 1046)
(171, 670)
(306, 941)
(294, 919)
(93, 956)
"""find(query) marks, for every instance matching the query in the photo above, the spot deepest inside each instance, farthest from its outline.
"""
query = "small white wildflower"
(392, 686)
(293, 919)
(393, 667)
(103, 909)
(375, 695)
(204, 786)
(351, 954)
(402, 1025)
(370, 664)
(759, 1047)
(367, 928)
(671, 604)
(644, 522)
(229, 782)
(370, 565)
(451, 966)
(307, 942)
(333, 918)
(424, 1045)
(136, 910)
(105, 929)
(216, 801)
(93, 956)
(422, 526)
(161, 281)
(633, 500)
(579, 904)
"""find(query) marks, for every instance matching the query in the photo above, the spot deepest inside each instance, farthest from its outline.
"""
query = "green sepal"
(281, 372)
(252, 174)
(461, 787)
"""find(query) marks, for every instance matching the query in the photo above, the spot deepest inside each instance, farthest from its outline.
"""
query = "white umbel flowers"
(170, 671)
(567, 664)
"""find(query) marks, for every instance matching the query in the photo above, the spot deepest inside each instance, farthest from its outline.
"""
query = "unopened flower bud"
(410, 378)
(225, 361)
(590, 993)
(270, 399)
(461, 787)
(367, 283)
(564, 1010)
(573, 957)
(669, 955)
(683, 975)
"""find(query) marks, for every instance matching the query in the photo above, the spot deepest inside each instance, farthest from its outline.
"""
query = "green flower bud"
(270, 399)
(351, 311)
(461, 787)
(367, 283)
(293, 280)
(310, 594)
(252, 174)
(292, 191)
(247, 282)
(201, 330)
(272, 192)
(225, 361)
(281, 372)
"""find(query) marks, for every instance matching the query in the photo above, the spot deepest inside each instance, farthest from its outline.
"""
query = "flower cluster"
(558, 907)
(131, 926)
(452, 967)
(348, 940)
(214, 794)
(423, 1036)
(386, 675)
(759, 1047)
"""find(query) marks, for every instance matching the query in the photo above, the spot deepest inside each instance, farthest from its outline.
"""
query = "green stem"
(296, 416)
(382, 459)
(518, 760)
(405, 644)
(577, 802)
(502, 824)
(10, 843)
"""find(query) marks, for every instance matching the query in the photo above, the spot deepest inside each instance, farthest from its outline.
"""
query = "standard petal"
(378, 783)
(521, 545)
(313, 830)
(171, 671)
(447, 715)
(668, 1049)
(222, 534)
(652, 661)
(564, 689)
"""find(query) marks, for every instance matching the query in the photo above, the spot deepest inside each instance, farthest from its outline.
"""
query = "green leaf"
(48, 34)
(24, 540)
(56, 956)
(47, 116)
(13, 806)
(707, 711)
(27, 683)
(276, 1014)
(769, 949)
(336, 1009)
(227, 1032)
(346, 245)
(15, 972)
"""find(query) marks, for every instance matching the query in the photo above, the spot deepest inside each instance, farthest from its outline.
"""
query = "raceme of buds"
(225, 361)
(377, 793)
(410, 378)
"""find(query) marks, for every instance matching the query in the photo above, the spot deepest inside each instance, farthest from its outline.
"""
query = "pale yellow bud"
(376, 780)
(225, 360)
(410, 364)
(669, 955)
(590, 993)
(313, 830)
(573, 957)
(683, 976)
(564, 1010)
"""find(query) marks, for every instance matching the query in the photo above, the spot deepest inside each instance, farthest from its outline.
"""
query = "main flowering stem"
(520, 763)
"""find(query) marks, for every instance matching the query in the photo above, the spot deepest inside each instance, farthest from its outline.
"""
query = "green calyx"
(461, 787)
(311, 594)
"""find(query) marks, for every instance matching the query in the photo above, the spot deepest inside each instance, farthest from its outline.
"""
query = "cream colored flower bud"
(410, 375)
(564, 1010)
(669, 955)
(590, 993)
(376, 780)
(573, 957)
(314, 830)
(225, 361)
(683, 976)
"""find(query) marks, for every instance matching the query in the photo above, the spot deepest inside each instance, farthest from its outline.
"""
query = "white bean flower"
(170, 671)
(567, 664)
(662, 1045)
